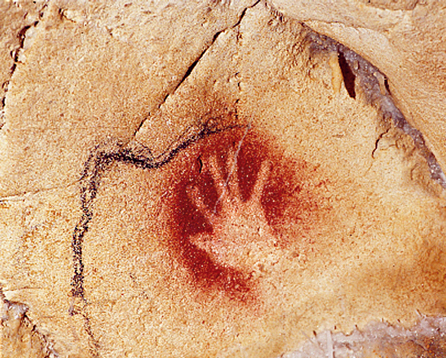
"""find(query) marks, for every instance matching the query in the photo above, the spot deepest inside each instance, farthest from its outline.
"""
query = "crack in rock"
(19, 333)
(375, 88)
(27, 194)
(16, 55)
(192, 66)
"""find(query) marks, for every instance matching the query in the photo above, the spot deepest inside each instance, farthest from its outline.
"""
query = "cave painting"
(240, 233)
(236, 203)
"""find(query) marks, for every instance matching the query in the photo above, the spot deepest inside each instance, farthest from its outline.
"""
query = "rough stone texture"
(406, 40)
(103, 117)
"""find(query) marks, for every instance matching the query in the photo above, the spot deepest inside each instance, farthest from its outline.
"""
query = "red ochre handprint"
(241, 237)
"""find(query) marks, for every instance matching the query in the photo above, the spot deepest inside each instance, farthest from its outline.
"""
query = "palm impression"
(236, 204)
(241, 236)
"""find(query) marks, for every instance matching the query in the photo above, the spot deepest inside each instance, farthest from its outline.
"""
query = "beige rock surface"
(135, 130)
(405, 40)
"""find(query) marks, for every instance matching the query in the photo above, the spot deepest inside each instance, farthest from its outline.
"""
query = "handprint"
(241, 237)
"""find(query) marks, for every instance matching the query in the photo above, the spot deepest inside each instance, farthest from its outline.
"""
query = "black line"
(96, 165)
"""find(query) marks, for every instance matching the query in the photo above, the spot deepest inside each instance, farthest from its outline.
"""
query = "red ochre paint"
(289, 196)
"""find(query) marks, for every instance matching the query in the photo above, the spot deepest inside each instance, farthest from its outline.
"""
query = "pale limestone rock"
(102, 119)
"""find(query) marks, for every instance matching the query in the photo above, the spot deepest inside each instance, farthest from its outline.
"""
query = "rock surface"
(221, 179)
